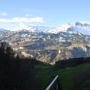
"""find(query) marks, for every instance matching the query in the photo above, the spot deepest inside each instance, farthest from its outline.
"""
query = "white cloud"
(21, 19)
(3, 14)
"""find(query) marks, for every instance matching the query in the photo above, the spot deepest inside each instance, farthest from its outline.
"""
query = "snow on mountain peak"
(80, 27)
(62, 28)
(26, 27)
(34, 28)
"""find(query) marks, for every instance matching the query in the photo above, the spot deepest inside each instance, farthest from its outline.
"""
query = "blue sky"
(43, 12)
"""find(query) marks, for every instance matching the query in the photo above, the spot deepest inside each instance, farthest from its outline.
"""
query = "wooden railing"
(54, 85)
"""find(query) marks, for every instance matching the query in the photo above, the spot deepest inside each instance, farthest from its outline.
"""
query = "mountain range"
(50, 44)
(78, 27)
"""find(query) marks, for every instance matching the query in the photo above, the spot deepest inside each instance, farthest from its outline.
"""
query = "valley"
(50, 47)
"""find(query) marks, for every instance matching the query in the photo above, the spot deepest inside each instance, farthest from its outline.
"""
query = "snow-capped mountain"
(78, 27)
(62, 28)
(35, 28)
(40, 28)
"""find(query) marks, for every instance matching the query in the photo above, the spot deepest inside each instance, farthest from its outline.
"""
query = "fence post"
(54, 81)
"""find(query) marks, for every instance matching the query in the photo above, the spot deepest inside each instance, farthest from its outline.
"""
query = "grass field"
(45, 74)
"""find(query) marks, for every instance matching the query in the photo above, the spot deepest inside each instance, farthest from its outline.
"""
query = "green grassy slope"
(45, 74)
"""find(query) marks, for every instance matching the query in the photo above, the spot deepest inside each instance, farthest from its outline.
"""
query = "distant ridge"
(4, 30)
